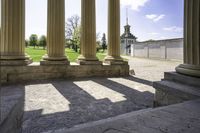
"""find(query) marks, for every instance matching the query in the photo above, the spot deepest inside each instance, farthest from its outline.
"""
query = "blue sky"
(149, 19)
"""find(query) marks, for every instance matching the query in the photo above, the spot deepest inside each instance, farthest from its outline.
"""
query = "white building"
(127, 38)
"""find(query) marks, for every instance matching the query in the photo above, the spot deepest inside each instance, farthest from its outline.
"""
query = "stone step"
(90, 126)
(178, 88)
(176, 77)
(178, 118)
(170, 92)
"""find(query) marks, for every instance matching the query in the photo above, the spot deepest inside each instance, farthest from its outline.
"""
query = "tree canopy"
(43, 41)
(104, 46)
(33, 40)
(73, 31)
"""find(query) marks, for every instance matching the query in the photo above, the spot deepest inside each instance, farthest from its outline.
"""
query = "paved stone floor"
(178, 118)
(50, 105)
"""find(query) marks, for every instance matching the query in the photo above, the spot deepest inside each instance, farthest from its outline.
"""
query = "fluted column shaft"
(55, 31)
(113, 31)
(191, 64)
(12, 44)
(88, 31)
(0, 22)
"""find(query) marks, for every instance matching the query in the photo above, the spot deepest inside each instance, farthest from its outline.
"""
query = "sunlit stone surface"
(100, 92)
(132, 84)
(52, 105)
(45, 97)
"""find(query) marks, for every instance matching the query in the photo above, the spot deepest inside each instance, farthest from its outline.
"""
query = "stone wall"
(35, 71)
(171, 49)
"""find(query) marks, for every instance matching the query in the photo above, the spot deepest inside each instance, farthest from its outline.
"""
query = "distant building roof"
(128, 36)
(173, 39)
(127, 33)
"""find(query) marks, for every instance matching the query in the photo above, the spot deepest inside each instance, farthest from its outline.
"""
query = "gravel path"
(152, 70)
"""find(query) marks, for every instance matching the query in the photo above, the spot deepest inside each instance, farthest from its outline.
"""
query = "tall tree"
(76, 38)
(43, 41)
(104, 46)
(72, 31)
(71, 25)
(26, 43)
(33, 40)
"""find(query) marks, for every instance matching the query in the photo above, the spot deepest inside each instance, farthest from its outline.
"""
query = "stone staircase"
(176, 88)
(179, 118)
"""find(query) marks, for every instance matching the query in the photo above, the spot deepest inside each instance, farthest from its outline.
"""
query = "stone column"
(191, 64)
(88, 33)
(0, 22)
(55, 34)
(113, 56)
(12, 44)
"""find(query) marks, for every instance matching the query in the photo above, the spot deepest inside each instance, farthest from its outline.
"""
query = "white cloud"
(159, 18)
(164, 37)
(155, 17)
(151, 16)
(154, 33)
(173, 29)
(135, 4)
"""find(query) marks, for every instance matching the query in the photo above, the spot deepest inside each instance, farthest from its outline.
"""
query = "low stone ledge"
(46, 62)
(82, 62)
(36, 71)
(15, 62)
(168, 93)
(176, 77)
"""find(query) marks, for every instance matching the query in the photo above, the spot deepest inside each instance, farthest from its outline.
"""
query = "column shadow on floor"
(139, 80)
(83, 106)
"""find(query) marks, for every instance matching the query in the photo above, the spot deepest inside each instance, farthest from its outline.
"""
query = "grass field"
(37, 53)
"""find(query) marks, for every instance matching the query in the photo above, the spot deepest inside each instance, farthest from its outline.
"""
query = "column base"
(46, 62)
(115, 61)
(15, 60)
(54, 60)
(176, 88)
(190, 70)
(88, 61)
(85, 62)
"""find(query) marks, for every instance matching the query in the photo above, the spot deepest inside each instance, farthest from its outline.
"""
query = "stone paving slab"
(57, 104)
(10, 96)
(51, 105)
(179, 118)
(11, 108)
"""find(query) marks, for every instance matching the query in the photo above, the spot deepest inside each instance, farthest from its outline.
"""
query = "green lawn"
(37, 53)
